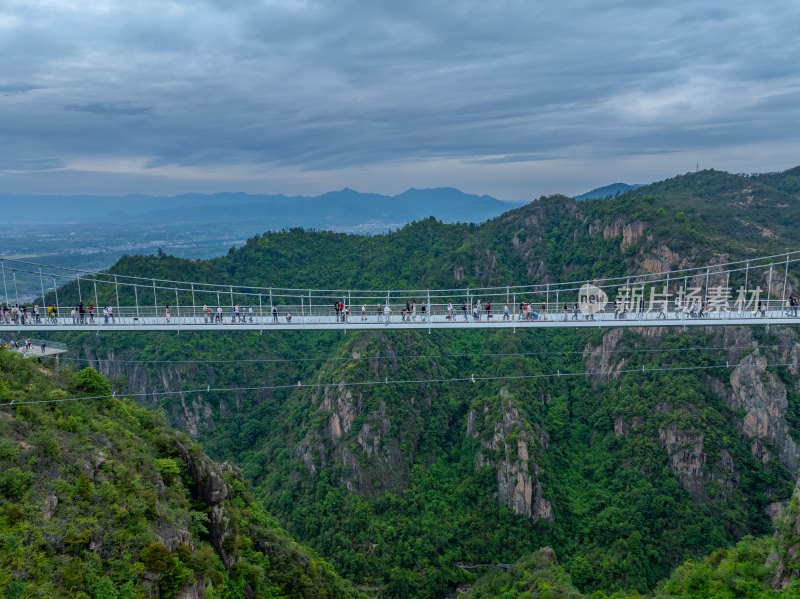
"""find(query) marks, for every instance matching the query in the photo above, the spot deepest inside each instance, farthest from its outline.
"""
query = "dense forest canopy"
(624, 477)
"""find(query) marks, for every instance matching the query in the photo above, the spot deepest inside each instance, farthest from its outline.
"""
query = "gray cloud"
(339, 87)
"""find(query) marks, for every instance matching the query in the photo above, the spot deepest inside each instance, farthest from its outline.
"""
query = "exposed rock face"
(191, 414)
(506, 445)
(385, 468)
(631, 233)
(688, 461)
(212, 488)
(604, 359)
(763, 397)
(785, 555)
(49, 507)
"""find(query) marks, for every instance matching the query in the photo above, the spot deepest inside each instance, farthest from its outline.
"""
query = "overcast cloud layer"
(513, 99)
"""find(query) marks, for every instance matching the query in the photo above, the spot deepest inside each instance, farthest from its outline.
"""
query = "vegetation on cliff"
(100, 499)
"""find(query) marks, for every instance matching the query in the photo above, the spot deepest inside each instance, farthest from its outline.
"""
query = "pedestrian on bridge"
(166, 314)
(274, 314)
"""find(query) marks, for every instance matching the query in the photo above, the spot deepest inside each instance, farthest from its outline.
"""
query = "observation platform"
(52, 349)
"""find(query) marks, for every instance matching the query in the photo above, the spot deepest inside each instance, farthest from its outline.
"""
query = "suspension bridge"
(756, 291)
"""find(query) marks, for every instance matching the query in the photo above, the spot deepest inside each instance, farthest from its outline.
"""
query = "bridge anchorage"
(748, 292)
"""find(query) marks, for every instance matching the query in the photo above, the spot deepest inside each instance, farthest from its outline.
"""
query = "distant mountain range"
(336, 209)
(609, 190)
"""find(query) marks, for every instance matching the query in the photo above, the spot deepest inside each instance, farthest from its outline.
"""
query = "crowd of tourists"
(413, 311)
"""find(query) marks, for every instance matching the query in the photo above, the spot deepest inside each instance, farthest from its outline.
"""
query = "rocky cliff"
(785, 555)
(508, 445)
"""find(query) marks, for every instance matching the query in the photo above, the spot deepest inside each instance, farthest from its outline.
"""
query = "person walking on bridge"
(663, 312)
(387, 312)
(166, 313)
(274, 314)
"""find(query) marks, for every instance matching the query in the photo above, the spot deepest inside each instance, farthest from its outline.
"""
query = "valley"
(620, 485)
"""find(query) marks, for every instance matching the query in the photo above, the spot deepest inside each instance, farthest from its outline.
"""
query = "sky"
(511, 99)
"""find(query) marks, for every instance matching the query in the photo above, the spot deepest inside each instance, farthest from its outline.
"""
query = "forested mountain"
(100, 499)
(607, 191)
(405, 487)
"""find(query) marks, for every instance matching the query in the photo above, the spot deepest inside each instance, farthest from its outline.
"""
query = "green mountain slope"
(403, 486)
(99, 498)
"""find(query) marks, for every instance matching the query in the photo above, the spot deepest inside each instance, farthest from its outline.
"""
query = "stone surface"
(517, 473)
(49, 507)
(763, 398)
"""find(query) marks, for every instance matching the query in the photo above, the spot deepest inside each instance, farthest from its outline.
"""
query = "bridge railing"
(305, 314)
(135, 300)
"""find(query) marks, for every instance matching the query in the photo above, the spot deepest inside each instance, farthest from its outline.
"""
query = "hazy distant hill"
(345, 208)
(608, 190)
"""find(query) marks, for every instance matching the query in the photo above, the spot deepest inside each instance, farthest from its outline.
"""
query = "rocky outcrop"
(688, 461)
(604, 359)
(507, 445)
(630, 232)
(49, 507)
(762, 396)
(374, 459)
(212, 488)
(785, 554)
(190, 413)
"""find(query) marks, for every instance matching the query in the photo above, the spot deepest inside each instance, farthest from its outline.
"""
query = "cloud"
(257, 89)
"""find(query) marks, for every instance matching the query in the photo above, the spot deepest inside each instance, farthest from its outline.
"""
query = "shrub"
(90, 382)
(14, 482)
(168, 469)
